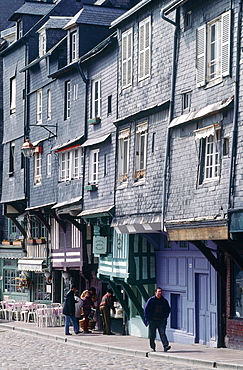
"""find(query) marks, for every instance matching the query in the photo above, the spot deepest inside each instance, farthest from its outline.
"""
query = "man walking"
(69, 311)
(105, 306)
(156, 312)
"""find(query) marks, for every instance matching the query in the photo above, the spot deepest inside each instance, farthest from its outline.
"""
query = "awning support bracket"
(228, 247)
(211, 258)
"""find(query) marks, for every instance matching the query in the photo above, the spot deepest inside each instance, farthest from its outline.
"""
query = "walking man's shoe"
(166, 348)
(68, 334)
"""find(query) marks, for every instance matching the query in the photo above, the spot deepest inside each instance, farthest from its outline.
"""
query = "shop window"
(40, 293)
(238, 292)
(10, 275)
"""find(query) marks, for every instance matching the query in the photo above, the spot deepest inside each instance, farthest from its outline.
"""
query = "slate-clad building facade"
(133, 113)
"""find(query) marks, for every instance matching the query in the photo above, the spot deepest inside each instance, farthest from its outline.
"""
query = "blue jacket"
(149, 309)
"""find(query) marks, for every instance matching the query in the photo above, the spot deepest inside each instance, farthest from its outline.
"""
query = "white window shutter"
(226, 21)
(129, 56)
(124, 58)
(147, 47)
(201, 55)
(141, 50)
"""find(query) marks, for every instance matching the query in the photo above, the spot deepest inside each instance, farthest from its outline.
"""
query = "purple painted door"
(202, 314)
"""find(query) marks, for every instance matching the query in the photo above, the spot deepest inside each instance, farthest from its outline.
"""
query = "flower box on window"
(17, 242)
(7, 242)
(90, 187)
(139, 175)
(31, 241)
(41, 241)
(94, 121)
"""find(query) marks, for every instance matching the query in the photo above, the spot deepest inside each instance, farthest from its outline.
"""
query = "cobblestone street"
(22, 351)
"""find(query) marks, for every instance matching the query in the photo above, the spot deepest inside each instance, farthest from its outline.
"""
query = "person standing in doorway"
(69, 311)
(105, 306)
(156, 312)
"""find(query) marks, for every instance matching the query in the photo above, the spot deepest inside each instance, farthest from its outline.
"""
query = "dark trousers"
(106, 319)
(161, 326)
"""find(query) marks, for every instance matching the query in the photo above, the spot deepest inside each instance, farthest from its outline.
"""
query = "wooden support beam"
(59, 220)
(211, 258)
(230, 247)
(72, 220)
(43, 220)
(18, 225)
(133, 298)
(143, 292)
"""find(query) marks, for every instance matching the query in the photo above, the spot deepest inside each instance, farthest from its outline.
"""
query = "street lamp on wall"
(28, 149)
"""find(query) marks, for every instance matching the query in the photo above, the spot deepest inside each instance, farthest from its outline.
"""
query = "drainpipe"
(86, 81)
(236, 108)
(171, 108)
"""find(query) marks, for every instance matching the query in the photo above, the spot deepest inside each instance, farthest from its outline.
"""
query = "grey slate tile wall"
(156, 88)
(146, 197)
(186, 199)
(104, 67)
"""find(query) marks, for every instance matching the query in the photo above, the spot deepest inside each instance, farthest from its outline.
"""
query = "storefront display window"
(11, 283)
(40, 293)
(238, 292)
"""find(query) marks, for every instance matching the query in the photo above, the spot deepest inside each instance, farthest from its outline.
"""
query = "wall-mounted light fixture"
(28, 149)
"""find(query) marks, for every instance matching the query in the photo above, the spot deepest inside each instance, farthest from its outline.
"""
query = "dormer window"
(42, 43)
(73, 46)
(19, 29)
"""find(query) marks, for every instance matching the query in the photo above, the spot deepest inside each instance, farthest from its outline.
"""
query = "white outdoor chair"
(59, 316)
(16, 314)
(8, 310)
(48, 318)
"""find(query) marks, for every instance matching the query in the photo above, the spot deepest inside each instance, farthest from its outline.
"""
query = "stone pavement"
(199, 355)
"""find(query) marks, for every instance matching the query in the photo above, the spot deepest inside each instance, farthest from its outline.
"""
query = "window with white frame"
(37, 168)
(144, 59)
(186, 101)
(42, 43)
(11, 158)
(94, 166)
(54, 234)
(209, 139)
(67, 103)
(71, 164)
(127, 46)
(96, 98)
(123, 155)
(213, 49)
(48, 165)
(75, 92)
(19, 29)
(13, 95)
(76, 239)
(48, 104)
(74, 45)
(140, 150)
(39, 106)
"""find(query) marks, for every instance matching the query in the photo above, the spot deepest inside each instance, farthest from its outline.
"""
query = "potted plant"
(24, 281)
